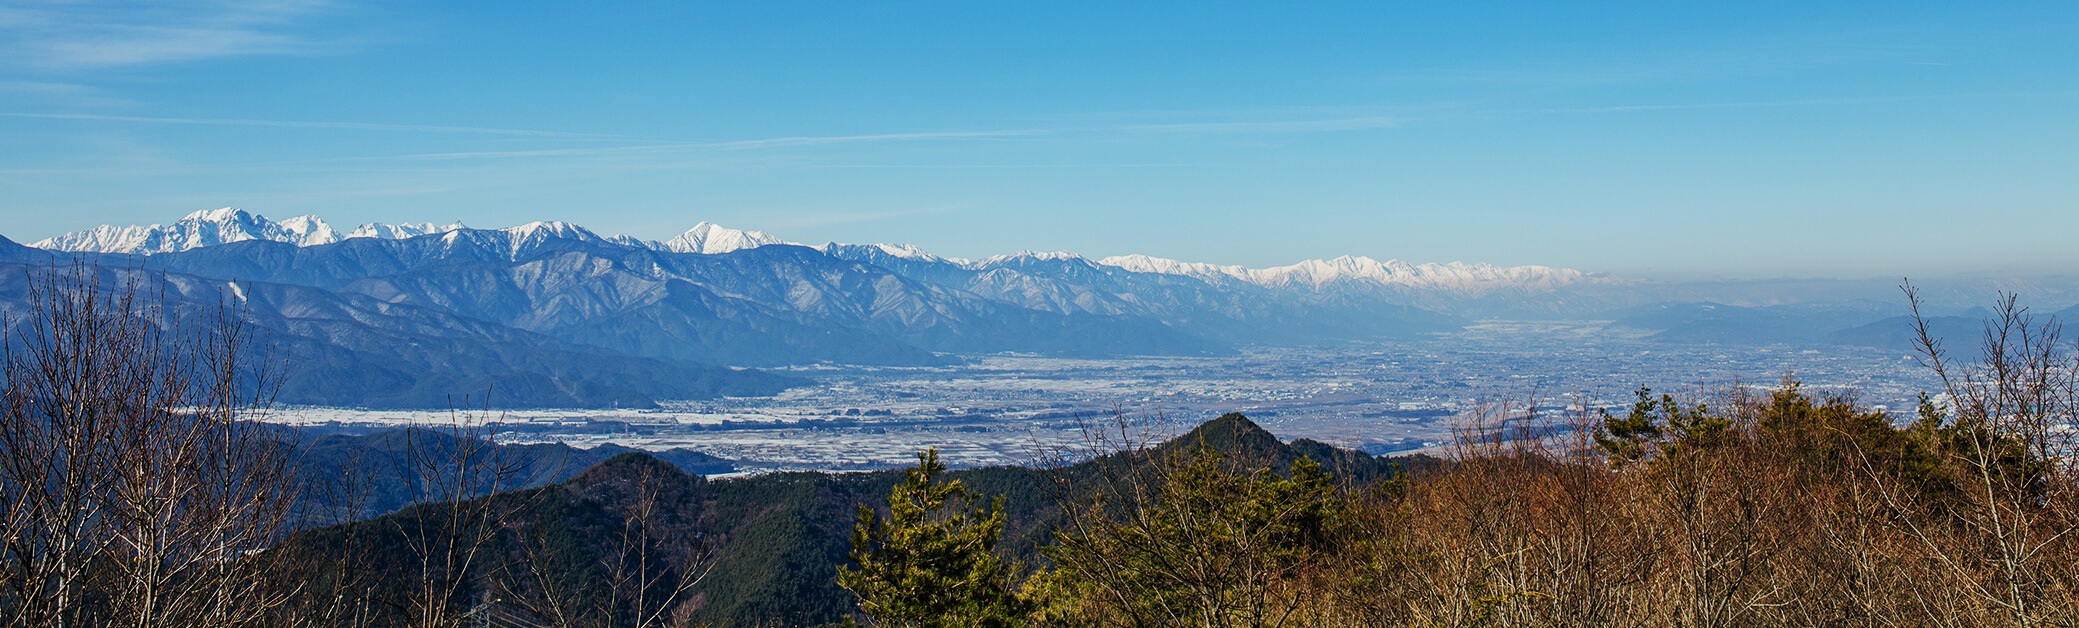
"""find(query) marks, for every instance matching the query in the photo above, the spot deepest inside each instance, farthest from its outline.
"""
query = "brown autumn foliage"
(1755, 507)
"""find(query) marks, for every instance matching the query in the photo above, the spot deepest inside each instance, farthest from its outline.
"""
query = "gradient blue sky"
(1666, 140)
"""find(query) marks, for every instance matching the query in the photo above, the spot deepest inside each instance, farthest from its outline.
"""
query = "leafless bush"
(136, 487)
(456, 474)
(2009, 542)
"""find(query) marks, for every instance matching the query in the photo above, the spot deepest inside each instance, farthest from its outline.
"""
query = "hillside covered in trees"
(1769, 507)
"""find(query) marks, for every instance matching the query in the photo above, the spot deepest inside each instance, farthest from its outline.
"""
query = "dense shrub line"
(1762, 507)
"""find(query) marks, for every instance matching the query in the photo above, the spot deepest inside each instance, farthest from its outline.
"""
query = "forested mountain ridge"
(771, 544)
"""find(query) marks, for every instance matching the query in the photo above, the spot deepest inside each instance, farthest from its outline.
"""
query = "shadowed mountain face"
(346, 349)
(554, 316)
(775, 541)
(386, 466)
(763, 306)
(1217, 307)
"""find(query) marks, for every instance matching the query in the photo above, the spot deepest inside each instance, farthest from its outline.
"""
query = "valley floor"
(1399, 396)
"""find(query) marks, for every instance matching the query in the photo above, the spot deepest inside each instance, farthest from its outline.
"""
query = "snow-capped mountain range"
(1316, 273)
(224, 226)
(227, 225)
(559, 316)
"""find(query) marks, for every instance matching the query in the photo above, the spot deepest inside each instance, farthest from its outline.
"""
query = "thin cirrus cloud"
(1768, 53)
(360, 126)
(882, 137)
(56, 34)
(1259, 126)
(1277, 126)
(69, 95)
(774, 142)
(777, 142)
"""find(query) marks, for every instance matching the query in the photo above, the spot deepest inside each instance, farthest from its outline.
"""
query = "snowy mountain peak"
(524, 239)
(1455, 276)
(401, 230)
(710, 238)
(876, 252)
(1022, 257)
(223, 226)
(226, 225)
(1147, 264)
(196, 230)
(542, 230)
(908, 251)
(226, 214)
(310, 230)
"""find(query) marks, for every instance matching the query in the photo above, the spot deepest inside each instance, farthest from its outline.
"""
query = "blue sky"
(1739, 140)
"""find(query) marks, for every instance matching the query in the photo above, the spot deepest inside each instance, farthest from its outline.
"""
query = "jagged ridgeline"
(349, 349)
(767, 548)
(554, 315)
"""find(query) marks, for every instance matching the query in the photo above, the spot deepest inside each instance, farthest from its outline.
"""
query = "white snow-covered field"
(1010, 409)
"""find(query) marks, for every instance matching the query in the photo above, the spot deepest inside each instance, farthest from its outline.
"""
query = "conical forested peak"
(1233, 434)
(629, 466)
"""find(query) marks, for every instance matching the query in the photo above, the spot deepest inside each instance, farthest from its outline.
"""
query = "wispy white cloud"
(1802, 102)
(885, 137)
(365, 126)
(649, 145)
(1678, 107)
(1276, 126)
(67, 95)
(1751, 54)
(66, 34)
(682, 146)
(1256, 120)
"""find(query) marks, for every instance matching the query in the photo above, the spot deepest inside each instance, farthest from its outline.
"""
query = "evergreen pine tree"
(931, 562)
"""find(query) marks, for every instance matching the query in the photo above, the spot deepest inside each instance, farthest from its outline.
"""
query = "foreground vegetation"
(1762, 507)
(138, 492)
(1779, 509)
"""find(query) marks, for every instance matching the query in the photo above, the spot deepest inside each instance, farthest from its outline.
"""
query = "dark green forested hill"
(765, 549)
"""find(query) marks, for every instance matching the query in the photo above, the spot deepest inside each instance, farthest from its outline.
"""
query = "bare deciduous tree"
(2015, 410)
(137, 486)
(455, 473)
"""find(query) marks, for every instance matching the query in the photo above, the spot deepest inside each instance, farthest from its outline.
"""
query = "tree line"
(1759, 506)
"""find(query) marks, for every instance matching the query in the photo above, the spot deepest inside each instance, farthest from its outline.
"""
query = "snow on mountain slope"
(710, 238)
(224, 226)
(514, 243)
(400, 231)
(1025, 257)
(199, 229)
(898, 251)
(227, 225)
(306, 229)
(1163, 266)
(1455, 276)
